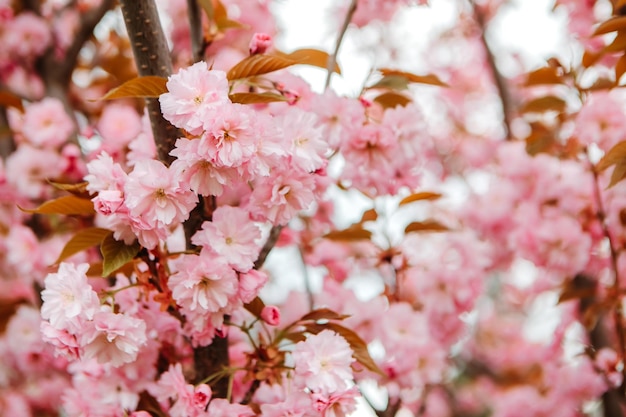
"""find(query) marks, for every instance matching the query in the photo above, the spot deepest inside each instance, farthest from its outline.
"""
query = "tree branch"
(498, 78)
(195, 27)
(269, 245)
(7, 144)
(332, 60)
(153, 58)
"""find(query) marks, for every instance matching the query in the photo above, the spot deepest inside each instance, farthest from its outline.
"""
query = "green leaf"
(150, 86)
(258, 65)
(424, 195)
(67, 205)
(358, 346)
(256, 98)
(116, 254)
(82, 240)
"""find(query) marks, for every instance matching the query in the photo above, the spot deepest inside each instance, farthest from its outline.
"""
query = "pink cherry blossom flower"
(113, 338)
(303, 135)
(118, 125)
(28, 168)
(271, 315)
(203, 283)
(68, 297)
(322, 362)
(105, 174)
(250, 283)
(27, 36)
(47, 124)
(154, 194)
(191, 93)
(232, 235)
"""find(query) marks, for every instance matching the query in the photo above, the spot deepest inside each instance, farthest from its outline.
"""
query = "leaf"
(257, 65)
(591, 57)
(619, 173)
(426, 226)
(369, 216)
(256, 98)
(424, 195)
(391, 99)
(82, 240)
(612, 25)
(310, 56)
(116, 254)
(255, 306)
(8, 99)
(615, 155)
(578, 287)
(620, 68)
(323, 314)
(207, 6)
(618, 44)
(67, 205)
(545, 75)
(224, 24)
(544, 104)
(150, 86)
(392, 82)
(541, 139)
(350, 234)
(430, 79)
(358, 346)
(79, 189)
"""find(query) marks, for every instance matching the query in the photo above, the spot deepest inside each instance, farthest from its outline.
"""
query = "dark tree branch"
(7, 144)
(153, 58)
(269, 245)
(498, 78)
(195, 26)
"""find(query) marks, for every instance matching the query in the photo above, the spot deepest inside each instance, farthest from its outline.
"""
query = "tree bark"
(153, 58)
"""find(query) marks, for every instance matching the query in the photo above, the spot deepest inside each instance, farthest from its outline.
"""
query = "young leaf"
(615, 155)
(544, 104)
(424, 195)
(82, 240)
(391, 99)
(310, 56)
(392, 82)
(545, 75)
(8, 99)
(150, 86)
(430, 79)
(116, 253)
(350, 234)
(358, 346)
(620, 68)
(257, 65)
(323, 314)
(255, 307)
(426, 226)
(207, 6)
(79, 189)
(68, 205)
(256, 98)
(369, 216)
(618, 44)
(611, 25)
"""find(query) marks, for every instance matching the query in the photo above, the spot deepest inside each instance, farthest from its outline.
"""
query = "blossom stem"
(332, 60)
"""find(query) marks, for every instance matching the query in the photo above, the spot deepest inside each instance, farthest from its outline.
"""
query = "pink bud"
(201, 396)
(260, 43)
(271, 315)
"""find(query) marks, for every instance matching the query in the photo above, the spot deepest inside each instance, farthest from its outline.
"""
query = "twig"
(269, 245)
(7, 143)
(332, 60)
(498, 78)
(307, 280)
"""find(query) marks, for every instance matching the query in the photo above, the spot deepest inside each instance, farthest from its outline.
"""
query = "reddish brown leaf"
(612, 25)
(256, 98)
(350, 234)
(426, 226)
(618, 44)
(68, 205)
(323, 314)
(545, 75)
(258, 65)
(421, 196)
(430, 79)
(84, 239)
(369, 216)
(358, 346)
(620, 68)
(255, 307)
(309, 56)
(8, 99)
(544, 104)
(79, 189)
(615, 155)
(391, 99)
(148, 86)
